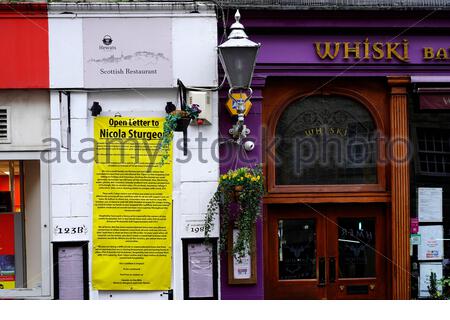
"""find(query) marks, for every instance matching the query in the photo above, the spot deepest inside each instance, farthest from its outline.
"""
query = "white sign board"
(425, 273)
(127, 53)
(70, 269)
(193, 226)
(201, 283)
(432, 243)
(71, 229)
(242, 268)
(430, 204)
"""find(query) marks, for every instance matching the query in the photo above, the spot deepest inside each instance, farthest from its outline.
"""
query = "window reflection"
(297, 249)
(326, 140)
(356, 247)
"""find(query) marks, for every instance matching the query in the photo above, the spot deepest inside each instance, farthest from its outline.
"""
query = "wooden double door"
(334, 251)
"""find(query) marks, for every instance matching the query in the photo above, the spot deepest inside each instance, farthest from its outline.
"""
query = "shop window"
(326, 140)
(23, 259)
(433, 151)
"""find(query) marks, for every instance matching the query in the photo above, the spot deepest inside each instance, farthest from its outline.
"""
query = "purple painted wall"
(233, 157)
(300, 49)
(309, 20)
(288, 50)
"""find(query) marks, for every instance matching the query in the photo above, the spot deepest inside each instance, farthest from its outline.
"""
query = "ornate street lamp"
(238, 57)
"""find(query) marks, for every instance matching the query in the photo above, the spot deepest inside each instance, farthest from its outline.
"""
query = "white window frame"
(43, 292)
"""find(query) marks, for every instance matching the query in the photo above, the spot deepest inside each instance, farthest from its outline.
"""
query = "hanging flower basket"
(237, 193)
(182, 124)
(176, 120)
(243, 187)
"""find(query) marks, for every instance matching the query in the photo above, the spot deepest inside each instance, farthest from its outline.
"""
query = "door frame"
(289, 287)
(388, 98)
(326, 247)
(381, 266)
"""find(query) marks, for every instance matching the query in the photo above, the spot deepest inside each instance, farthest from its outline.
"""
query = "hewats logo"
(107, 40)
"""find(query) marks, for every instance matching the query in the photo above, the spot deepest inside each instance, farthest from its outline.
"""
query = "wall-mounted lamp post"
(238, 57)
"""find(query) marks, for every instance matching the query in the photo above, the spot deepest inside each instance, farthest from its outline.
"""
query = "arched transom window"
(326, 140)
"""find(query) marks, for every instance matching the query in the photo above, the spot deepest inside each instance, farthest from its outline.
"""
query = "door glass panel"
(297, 249)
(356, 238)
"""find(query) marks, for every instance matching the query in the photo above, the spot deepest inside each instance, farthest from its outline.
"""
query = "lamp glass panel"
(239, 63)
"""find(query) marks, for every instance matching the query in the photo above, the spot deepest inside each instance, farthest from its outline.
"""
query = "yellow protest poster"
(132, 227)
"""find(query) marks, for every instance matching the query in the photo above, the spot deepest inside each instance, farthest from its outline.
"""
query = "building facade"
(64, 62)
(349, 120)
(342, 128)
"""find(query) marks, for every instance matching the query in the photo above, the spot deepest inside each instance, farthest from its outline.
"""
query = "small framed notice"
(430, 204)
(431, 246)
(71, 270)
(241, 270)
(424, 280)
(200, 269)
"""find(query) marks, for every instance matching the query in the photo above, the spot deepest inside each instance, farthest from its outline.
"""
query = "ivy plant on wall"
(245, 188)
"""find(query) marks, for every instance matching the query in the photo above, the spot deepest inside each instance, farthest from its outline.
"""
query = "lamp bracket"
(239, 131)
(248, 92)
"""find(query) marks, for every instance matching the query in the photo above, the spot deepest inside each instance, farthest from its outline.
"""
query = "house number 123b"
(72, 230)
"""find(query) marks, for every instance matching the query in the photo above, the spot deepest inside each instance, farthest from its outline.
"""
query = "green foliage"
(245, 187)
(169, 126)
(433, 290)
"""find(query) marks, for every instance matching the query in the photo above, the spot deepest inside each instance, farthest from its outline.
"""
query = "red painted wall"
(24, 60)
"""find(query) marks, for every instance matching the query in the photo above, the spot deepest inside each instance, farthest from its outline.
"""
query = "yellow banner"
(132, 231)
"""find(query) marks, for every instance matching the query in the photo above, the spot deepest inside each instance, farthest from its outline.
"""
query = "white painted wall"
(193, 184)
(194, 54)
(65, 52)
(194, 50)
(29, 114)
(195, 63)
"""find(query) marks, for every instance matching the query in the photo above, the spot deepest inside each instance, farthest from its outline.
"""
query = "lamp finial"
(237, 15)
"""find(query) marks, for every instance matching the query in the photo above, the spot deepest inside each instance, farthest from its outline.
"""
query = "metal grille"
(434, 151)
(4, 125)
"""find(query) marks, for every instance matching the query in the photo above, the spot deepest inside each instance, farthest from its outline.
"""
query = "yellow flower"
(258, 177)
